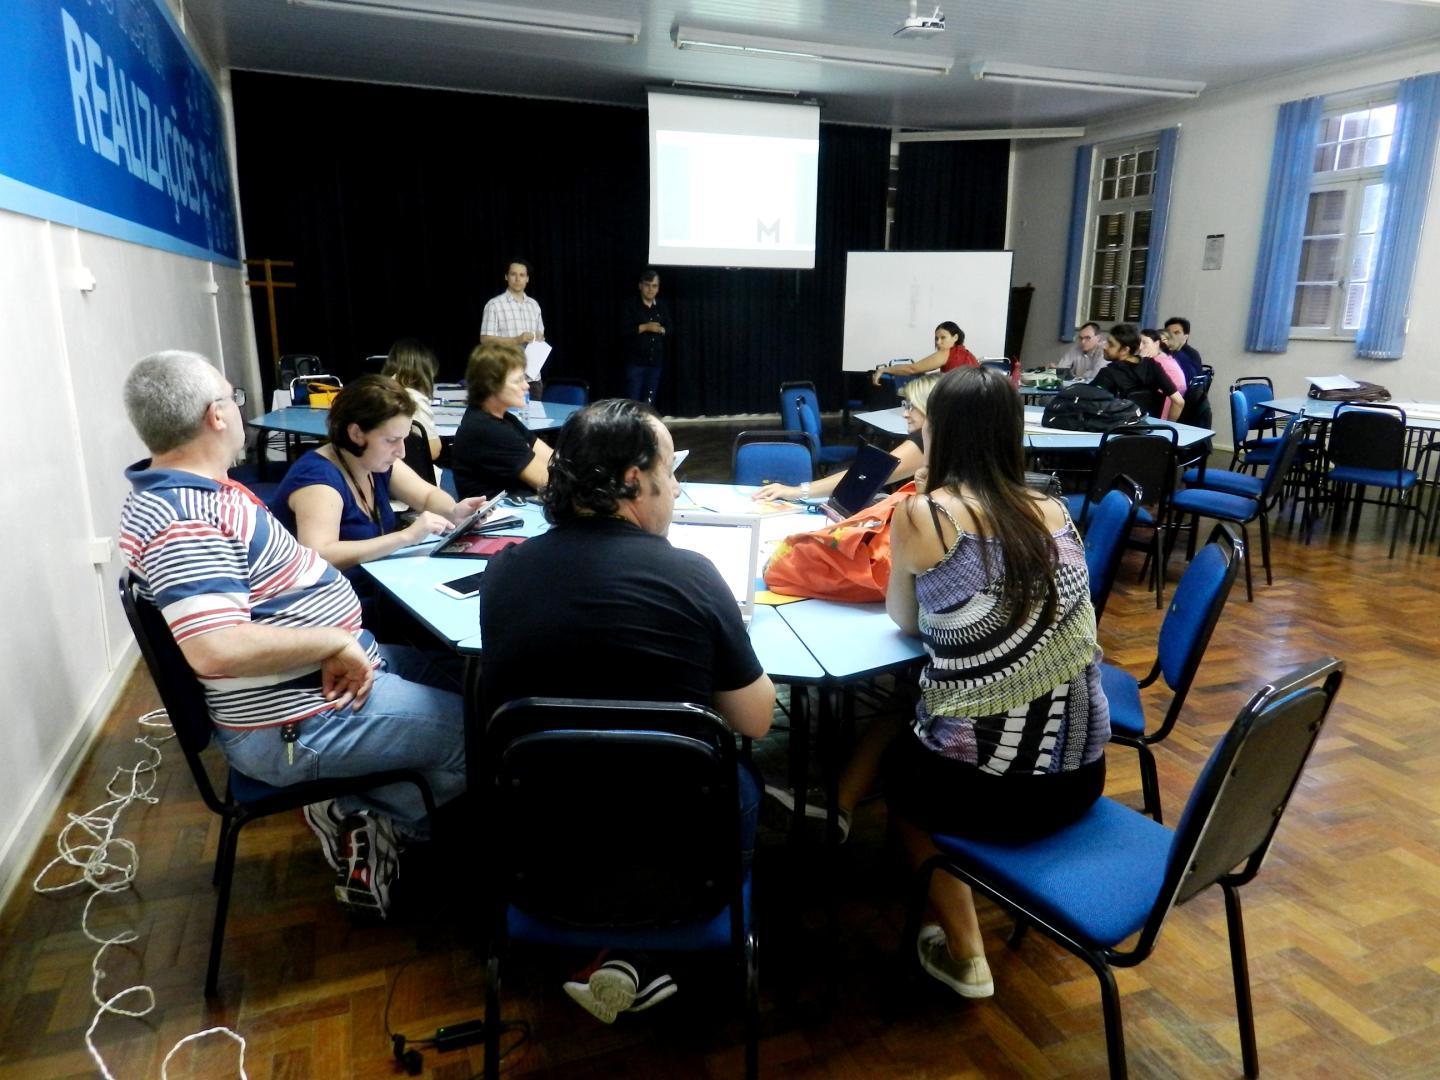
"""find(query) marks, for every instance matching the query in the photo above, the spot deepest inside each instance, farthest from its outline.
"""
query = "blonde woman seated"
(914, 395)
(336, 499)
(950, 353)
(413, 365)
(494, 451)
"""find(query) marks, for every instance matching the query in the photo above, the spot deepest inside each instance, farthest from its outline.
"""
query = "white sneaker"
(969, 978)
(614, 987)
(329, 829)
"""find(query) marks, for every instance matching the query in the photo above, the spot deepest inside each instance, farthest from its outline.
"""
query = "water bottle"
(1015, 370)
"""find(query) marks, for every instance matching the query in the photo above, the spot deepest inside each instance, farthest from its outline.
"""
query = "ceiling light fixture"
(1101, 82)
(493, 16)
(698, 39)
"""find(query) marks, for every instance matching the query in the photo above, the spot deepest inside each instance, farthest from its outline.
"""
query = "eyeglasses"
(236, 395)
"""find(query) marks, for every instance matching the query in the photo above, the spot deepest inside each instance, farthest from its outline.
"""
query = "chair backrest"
(417, 453)
(1195, 609)
(1368, 437)
(1146, 455)
(1239, 418)
(779, 457)
(180, 692)
(999, 364)
(567, 391)
(293, 365)
(1290, 440)
(1197, 400)
(1106, 531)
(666, 849)
(1230, 819)
(799, 411)
(1255, 388)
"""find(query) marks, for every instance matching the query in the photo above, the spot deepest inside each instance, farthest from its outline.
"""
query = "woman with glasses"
(337, 499)
(911, 452)
(494, 451)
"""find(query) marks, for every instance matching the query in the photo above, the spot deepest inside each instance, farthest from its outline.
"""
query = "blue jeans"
(642, 382)
(407, 722)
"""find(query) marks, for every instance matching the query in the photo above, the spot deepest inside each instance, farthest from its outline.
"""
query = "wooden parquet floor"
(1343, 923)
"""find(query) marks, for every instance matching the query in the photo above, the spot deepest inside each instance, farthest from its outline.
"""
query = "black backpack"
(1083, 407)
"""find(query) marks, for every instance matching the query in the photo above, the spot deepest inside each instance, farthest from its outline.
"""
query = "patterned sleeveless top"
(1023, 702)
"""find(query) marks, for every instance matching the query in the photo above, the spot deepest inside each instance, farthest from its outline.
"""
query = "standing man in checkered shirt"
(512, 318)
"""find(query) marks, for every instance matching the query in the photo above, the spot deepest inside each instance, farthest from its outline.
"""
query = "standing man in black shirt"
(644, 324)
(602, 606)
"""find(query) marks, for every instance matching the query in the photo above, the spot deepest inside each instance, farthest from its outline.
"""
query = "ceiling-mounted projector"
(915, 23)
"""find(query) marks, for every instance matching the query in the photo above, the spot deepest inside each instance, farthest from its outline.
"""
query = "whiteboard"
(895, 299)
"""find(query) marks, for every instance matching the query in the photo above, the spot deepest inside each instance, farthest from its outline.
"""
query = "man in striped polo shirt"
(297, 689)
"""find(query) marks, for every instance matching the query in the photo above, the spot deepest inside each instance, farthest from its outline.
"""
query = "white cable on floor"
(86, 843)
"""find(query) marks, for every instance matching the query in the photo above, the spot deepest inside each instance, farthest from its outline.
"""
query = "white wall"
(1222, 168)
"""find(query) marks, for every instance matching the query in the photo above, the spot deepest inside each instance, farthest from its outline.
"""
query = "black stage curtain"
(402, 206)
(951, 196)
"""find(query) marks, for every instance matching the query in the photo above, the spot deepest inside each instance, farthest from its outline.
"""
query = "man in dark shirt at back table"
(1128, 374)
(1177, 343)
(602, 606)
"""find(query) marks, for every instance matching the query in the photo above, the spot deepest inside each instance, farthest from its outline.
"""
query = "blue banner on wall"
(110, 123)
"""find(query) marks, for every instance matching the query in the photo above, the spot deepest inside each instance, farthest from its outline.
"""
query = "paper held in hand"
(536, 353)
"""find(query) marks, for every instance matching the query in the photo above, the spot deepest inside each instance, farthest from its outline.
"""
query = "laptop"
(731, 542)
(865, 477)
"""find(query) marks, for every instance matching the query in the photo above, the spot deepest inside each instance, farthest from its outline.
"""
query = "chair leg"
(1249, 588)
(1240, 967)
(1017, 934)
(1265, 546)
(492, 1015)
(225, 874)
(1114, 1027)
(752, 1006)
(1149, 783)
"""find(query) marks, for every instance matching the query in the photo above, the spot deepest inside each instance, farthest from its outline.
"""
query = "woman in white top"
(914, 396)
(413, 365)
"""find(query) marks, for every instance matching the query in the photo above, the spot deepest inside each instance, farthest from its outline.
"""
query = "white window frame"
(1097, 208)
(1353, 181)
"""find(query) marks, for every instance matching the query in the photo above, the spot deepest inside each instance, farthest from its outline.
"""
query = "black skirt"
(943, 795)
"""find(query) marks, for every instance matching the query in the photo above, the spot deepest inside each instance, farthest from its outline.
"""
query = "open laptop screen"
(867, 475)
(732, 543)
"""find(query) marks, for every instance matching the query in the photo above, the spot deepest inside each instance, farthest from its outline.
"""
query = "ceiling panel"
(1219, 42)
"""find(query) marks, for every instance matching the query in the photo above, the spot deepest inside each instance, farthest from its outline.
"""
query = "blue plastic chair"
(1367, 449)
(1198, 502)
(772, 457)
(1105, 535)
(800, 411)
(1114, 873)
(1249, 453)
(567, 392)
(661, 869)
(1147, 456)
(1184, 636)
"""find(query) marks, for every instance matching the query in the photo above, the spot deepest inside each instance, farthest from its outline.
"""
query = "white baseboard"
(36, 818)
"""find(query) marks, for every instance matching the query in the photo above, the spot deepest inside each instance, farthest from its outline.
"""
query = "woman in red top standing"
(950, 352)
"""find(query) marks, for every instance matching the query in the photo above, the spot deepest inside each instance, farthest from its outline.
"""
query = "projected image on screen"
(736, 191)
(732, 183)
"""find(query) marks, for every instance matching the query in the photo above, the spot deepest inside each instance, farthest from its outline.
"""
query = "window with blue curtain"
(1349, 181)
(1119, 211)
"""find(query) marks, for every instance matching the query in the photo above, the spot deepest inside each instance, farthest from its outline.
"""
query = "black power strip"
(455, 1036)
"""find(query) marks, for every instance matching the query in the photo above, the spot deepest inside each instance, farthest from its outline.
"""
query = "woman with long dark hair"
(1008, 739)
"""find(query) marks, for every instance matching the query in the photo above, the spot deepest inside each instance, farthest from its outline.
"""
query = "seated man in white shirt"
(1085, 356)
